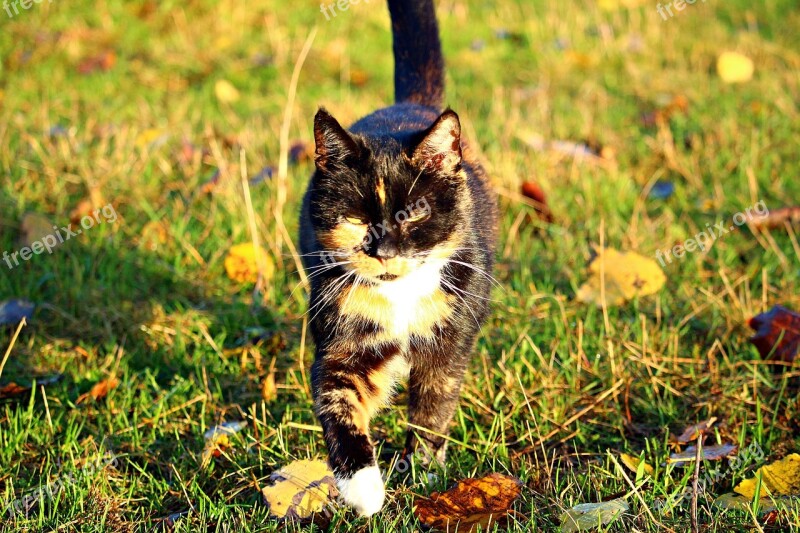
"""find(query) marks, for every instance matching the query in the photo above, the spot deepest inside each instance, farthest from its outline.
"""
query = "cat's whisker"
(479, 271)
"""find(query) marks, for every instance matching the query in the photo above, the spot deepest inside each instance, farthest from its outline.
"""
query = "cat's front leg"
(345, 399)
(433, 393)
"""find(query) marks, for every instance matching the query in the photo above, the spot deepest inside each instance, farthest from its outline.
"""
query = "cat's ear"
(440, 146)
(334, 144)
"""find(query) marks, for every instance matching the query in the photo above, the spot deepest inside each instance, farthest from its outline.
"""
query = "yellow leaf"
(243, 261)
(633, 463)
(781, 478)
(472, 503)
(268, 389)
(619, 277)
(300, 489)
(151, 138)
(612, 5)
(226, 92)
(733, 67)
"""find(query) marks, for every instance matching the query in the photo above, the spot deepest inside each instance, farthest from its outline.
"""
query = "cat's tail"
(418, 61)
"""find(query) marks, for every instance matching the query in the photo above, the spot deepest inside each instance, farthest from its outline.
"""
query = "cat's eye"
(418, 215)
(354, 220)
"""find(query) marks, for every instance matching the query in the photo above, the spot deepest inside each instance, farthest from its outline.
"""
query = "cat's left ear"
(440, 147)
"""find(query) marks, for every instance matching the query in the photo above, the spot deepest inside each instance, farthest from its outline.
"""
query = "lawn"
(174, 117)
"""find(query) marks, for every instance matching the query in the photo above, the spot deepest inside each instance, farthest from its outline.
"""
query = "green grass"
(146, 298)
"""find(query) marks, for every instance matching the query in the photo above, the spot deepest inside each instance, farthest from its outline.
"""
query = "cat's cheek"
(364, 491)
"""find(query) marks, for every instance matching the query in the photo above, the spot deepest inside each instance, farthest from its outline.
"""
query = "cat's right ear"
(334, 145)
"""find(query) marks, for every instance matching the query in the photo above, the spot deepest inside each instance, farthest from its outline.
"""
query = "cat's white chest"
(409, 297)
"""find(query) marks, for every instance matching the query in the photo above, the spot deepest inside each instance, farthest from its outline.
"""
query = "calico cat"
(398, 230)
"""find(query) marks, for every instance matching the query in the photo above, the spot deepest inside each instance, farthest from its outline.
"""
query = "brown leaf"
(691, 433)
(34, 227)
(12, 389)
(777, 218)
(100, 390)
(777, 334)
(101, 62)
(87, 206)
(534, 192)
(471, 503)
(708, 453)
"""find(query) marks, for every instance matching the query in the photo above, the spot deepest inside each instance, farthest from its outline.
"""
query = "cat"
(397, 233)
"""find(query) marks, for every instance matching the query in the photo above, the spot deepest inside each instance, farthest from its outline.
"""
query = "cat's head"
(384, 207)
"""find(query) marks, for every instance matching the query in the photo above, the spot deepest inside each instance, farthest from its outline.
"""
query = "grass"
(556, 387)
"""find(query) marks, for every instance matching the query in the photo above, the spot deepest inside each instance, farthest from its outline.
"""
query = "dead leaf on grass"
(620, 276)
(243, 260)
(10, 390)
(633, 463)
(777, 334)
(587, 516)
(470, 504)
(99, 391)
(300, 489)
(708, 453)
(776, 218)
(691, 433)
(781, 478)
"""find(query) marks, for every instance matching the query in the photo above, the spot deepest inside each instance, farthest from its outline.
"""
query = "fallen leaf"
(777, 218)
(738, 502)
(268, 389)
(102, 62)
(781, 478)
(691, 433)
(534, 192)
(471, 503)
(226, 92)
(709, 453)
(611, 5)
(734, 67)
(777, 334)
(217, 439)
(99, 391)
(12, 389)
(591, 515)
(34, 227)
(151, 138)
(242, 263)
(13, 311)
(632, 463)
(620, 276)
(300, 489)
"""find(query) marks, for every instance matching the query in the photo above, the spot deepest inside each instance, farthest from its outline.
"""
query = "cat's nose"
(387, 249)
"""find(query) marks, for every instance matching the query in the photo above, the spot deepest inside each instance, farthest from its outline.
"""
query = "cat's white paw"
(364, 491)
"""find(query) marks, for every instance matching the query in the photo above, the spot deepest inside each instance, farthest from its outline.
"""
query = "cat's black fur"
(395, 295)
